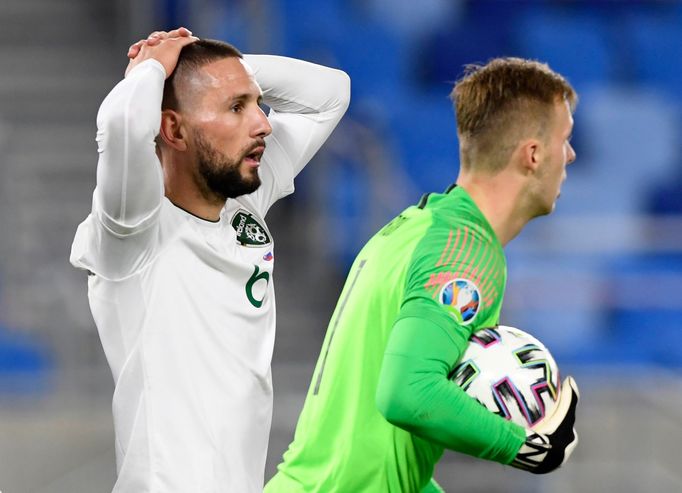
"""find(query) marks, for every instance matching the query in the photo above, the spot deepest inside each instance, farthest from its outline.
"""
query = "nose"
(261, 125)
(571, 154)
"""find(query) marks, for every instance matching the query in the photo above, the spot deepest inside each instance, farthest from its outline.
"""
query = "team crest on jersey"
(249, 231)
(461, 299)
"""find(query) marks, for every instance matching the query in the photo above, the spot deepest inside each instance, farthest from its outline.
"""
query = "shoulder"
(117, 254)
(457, 262)
(452, 229)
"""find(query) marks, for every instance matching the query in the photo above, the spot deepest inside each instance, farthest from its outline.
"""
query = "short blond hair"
(502, 102)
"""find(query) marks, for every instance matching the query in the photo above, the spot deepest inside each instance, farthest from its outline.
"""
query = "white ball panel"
(511, 373)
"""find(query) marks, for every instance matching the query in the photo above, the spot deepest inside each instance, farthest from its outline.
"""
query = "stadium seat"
(24, 363)
(573, 42)
(656, 40)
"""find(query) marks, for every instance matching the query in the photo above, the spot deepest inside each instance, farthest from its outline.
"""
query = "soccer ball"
(511, 373)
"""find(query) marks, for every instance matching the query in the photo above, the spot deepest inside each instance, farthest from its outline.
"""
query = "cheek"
(561, 158)
(217, 119)
(224, 134)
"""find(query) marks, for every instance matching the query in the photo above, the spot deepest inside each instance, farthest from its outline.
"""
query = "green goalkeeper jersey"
(381, 407)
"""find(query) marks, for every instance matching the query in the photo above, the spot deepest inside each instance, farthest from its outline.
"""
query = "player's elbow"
(336, 96)
(394, 402)
(343, 89)
(394, 411)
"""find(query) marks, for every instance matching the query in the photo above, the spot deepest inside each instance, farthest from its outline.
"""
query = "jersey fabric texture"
(414, 295)
(184, 307)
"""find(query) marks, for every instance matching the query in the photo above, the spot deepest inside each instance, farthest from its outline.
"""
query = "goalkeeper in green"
(381, 409)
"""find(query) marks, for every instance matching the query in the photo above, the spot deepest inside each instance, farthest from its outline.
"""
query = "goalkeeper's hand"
(550, 443)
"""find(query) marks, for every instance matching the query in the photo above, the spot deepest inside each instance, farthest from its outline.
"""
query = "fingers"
(569, 397)
(166, 52)
(155, 39)
(135, 49)
(571, 447)
(157, 36)
(181, 32)
(563, 414)
(571, 381)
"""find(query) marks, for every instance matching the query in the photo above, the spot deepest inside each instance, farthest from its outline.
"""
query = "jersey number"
(255, 277)
(336, 323)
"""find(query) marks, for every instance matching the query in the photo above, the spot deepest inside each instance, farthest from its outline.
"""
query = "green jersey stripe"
(445, 250)
(454, 247)
(465, 243)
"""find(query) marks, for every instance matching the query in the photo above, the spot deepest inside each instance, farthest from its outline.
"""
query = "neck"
(182, 189)
(500, 199)
(196, 206)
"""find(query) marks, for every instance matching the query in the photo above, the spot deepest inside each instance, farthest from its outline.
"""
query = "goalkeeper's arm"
(414, 393)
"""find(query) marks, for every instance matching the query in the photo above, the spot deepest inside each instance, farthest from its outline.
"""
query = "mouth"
(253, 157)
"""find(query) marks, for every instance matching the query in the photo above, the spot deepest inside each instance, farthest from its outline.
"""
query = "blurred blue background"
(599, 281)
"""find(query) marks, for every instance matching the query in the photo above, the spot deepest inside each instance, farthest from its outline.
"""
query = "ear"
(173, 131)
(531, 153)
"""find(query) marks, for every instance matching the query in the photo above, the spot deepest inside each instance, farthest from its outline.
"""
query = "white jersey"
(185, 308)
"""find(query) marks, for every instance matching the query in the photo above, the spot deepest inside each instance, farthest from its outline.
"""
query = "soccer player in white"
(180, 259)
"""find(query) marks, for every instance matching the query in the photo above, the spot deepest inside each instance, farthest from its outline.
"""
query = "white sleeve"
(118, 238)
(129, 177)
(306, 102)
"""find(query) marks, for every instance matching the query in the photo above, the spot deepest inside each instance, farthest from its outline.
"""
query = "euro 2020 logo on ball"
(461, 298)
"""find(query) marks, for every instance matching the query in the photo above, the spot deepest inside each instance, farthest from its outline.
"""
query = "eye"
(237, 108)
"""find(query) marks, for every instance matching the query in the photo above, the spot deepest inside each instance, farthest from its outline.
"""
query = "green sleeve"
(414, 392)
(432, 487)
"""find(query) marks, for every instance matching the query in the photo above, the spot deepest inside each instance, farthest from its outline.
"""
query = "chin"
(252, 182)
(544, 209)
(551, 207)
(252, 179)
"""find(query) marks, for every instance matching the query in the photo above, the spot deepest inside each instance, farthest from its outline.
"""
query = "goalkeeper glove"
(550, 443)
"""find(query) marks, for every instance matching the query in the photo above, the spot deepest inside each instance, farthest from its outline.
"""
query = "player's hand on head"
(552, 441)
(156, 37)
(162, 46)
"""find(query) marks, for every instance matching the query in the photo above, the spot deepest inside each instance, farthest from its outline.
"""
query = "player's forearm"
(296, 86)
(307, 101)
(415, 394)
(129, 179)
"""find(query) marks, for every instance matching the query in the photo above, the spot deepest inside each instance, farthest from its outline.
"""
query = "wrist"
(533, 452)
(152, 64)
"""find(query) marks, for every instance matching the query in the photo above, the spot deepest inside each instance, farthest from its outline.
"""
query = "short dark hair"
(193, 56)
(498, 102)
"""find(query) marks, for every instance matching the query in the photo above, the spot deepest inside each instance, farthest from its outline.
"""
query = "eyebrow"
(241, 98)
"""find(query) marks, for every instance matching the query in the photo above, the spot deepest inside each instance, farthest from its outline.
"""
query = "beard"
(220, 175)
